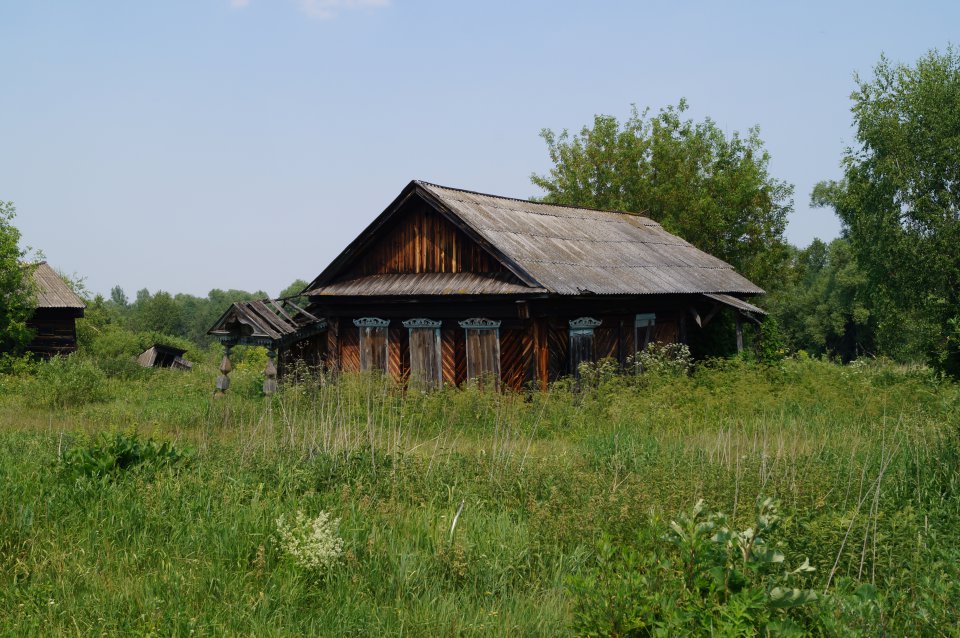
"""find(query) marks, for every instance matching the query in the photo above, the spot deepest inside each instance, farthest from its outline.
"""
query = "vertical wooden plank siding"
(424, 242)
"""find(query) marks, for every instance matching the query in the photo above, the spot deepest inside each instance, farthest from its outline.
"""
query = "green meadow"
(138, 504)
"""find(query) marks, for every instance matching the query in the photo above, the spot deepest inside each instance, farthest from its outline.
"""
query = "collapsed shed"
(448, 285)
(162, 356)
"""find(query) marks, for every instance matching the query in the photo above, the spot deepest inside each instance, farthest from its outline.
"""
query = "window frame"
(581, 327)
(645, 321)
(364, 324)
(481, 325)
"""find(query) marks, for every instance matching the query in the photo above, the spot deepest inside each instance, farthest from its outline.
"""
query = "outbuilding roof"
(556, 249)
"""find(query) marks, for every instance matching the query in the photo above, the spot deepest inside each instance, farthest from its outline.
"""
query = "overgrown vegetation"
(563, 503)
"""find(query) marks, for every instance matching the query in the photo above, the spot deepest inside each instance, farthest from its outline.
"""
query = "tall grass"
(864, 461)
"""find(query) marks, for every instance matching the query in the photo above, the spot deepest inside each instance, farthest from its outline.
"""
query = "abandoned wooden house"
(448, 285)
(53, 323)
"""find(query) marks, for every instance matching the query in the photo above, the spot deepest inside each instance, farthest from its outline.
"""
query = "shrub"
(701, 578)
(670, 359)
(64, 382)
(111, 455)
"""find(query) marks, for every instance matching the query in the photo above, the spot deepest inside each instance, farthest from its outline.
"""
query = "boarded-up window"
(425, 365)
(483, 349)
(373, 343)
(581, 342)
(644, 330)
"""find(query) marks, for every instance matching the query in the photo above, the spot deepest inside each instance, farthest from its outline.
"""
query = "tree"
(713, 190)
(118, 297)
(16, 294)
(823, 306)
(899, 201)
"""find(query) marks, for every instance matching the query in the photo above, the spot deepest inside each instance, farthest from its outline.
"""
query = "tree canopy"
(16, 295)
(712, 189)
(899, 200)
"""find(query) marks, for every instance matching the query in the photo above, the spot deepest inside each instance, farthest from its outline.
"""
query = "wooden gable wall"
(421, 240)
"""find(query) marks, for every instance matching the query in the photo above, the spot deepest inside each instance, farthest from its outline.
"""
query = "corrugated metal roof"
(572, 251)
(51, 290)
(462, 283)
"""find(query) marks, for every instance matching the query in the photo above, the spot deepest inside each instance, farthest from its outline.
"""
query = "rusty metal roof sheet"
(51, 290)
(461, 283)
(572, 251)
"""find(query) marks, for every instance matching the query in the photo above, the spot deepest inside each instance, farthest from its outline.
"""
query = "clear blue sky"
(186, 145)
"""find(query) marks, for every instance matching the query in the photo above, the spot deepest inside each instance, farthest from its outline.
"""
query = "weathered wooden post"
(270, 373)
(223, 381)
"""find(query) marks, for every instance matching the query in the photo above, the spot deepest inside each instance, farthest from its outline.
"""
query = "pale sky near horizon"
(184, 145)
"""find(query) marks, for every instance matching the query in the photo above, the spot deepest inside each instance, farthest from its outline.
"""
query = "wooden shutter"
(581, 342)
(373, 343)
(426, 368)
(483, 349)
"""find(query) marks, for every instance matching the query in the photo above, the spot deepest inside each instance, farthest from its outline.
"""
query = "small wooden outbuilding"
(448, 285)
(57, 310)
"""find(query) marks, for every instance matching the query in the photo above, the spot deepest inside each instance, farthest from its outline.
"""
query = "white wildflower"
(314, 544)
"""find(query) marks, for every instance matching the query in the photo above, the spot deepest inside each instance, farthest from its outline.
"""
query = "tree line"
(889, 285)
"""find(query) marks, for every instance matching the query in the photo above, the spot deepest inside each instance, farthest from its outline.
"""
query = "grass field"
(863, 461)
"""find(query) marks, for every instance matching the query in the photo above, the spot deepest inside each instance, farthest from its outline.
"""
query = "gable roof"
(51, 290)
(564, 250)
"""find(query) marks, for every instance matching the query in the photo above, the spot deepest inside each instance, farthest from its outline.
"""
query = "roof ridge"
(532, 201)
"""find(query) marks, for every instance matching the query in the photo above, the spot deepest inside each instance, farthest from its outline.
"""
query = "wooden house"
(448, 285)
(57, 309)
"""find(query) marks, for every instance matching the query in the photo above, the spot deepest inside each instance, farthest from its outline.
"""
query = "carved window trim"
(371, 322)
(480, 323)
(584, 325)
(421, 323)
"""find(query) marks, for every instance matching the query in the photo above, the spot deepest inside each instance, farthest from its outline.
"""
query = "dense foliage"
(822, 305)
(712, 189)
(16, 295)
(899, 201)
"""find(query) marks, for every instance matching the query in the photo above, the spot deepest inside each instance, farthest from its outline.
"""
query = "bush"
(700, 578)
(669, 359)
(64, 382)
